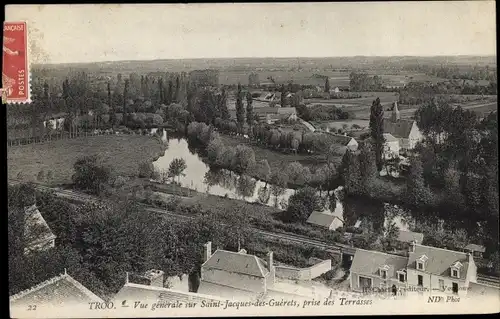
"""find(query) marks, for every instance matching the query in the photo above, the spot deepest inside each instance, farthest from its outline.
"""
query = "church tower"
(395, 116)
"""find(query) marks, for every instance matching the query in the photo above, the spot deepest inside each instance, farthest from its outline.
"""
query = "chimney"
(270, 263)
(207, 251)
(412, 246)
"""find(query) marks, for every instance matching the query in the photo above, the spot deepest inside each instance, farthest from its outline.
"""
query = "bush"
(146, 170)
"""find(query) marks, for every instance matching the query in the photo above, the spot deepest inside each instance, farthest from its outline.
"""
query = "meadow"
(122, 153)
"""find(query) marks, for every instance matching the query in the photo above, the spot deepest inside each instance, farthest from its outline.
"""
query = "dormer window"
(455, 269)
(401, 276)
(383, 271)
(421, 262)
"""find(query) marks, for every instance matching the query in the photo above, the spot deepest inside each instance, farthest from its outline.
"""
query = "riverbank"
(122, 152)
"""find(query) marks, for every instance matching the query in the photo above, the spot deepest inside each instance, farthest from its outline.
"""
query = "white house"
(406, 131)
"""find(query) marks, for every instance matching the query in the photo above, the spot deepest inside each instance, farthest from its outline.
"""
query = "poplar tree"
(240, 110)
(249, 109)
(377, 131)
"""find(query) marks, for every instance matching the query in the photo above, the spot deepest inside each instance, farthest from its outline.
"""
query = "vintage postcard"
(252, 159)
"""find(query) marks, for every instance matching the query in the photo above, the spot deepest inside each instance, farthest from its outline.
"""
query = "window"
(420, 265)
(420, 279)
(454, 288)
(454, 273)
(365, 282)
(401, 277)
(383, 274)
(441, 284)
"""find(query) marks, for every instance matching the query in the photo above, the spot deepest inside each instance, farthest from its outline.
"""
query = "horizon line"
(271, 57)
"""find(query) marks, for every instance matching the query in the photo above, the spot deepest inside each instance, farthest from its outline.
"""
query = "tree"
(146, 170)
(263, 170)
(125, 97)
(90, 174)
(177, 88)
(302, 204)
(377, 130)
(391, 236)
(250, 117)
(240, 110)
(298, 174)
(368, 168)
(327, 85)
(351, 173)
(263, 195)
(244, 159)
(176, 168)
(417, 193)
(279, 181)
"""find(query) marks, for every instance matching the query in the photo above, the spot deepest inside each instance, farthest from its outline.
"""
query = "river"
(198, 176)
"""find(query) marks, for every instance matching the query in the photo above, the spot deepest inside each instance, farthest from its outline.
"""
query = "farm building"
(391, 146)
(271, 115)
(344, 141)
(37, 233)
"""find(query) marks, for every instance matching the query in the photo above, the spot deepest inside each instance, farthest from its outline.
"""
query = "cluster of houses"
(230, 275)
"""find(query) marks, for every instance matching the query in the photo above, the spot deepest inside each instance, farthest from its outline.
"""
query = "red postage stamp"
(15, 70)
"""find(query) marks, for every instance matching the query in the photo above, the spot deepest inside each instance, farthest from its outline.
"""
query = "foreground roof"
(439, 260)
(235, 262)
(369, 262)
(131, 291)
(62, 289)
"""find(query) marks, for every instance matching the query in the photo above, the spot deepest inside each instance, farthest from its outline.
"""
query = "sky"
(91, 33)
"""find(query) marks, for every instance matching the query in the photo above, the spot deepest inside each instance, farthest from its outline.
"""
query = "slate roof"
(409, 236)
(369, 262)
(237, 262)
(339, 139)
(400, 128)
(322, 219)
(439, 260)
(36, 229)
(474, 247)
(389, 137)
(131, 291)
(62, 289)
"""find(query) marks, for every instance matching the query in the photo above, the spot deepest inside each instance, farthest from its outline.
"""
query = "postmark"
(15, 69)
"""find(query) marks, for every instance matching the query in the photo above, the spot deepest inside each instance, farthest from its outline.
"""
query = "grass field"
(123, 153)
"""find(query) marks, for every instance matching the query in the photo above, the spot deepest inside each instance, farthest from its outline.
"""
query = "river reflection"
(198, 176)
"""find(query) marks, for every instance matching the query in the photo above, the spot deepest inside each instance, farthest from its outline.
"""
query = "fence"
(308, 273)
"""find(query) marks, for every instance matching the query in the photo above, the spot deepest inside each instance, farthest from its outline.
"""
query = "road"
(335, 248)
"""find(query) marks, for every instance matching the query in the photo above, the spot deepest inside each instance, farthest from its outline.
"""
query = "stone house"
(424, 269)
(326, 220)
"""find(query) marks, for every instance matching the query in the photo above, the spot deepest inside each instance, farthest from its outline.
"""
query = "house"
(391, 146)
(149, 287)
(37, 233)
(346, 142)
(242, 276)
(374, 270)
(447, 270)
(425, 269)
(326, 220)
(56, 291)
(475, 250)
(409, 237)
(406, 131)
(235, 274)
(271, 115)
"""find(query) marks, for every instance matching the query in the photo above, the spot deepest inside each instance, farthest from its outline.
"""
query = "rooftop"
(439, 260)
(400, 128)
(36, 228)
(475, 247)
(237, 262)
(323, 219)
(62, 289)
(369, 262)
(408, 236)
